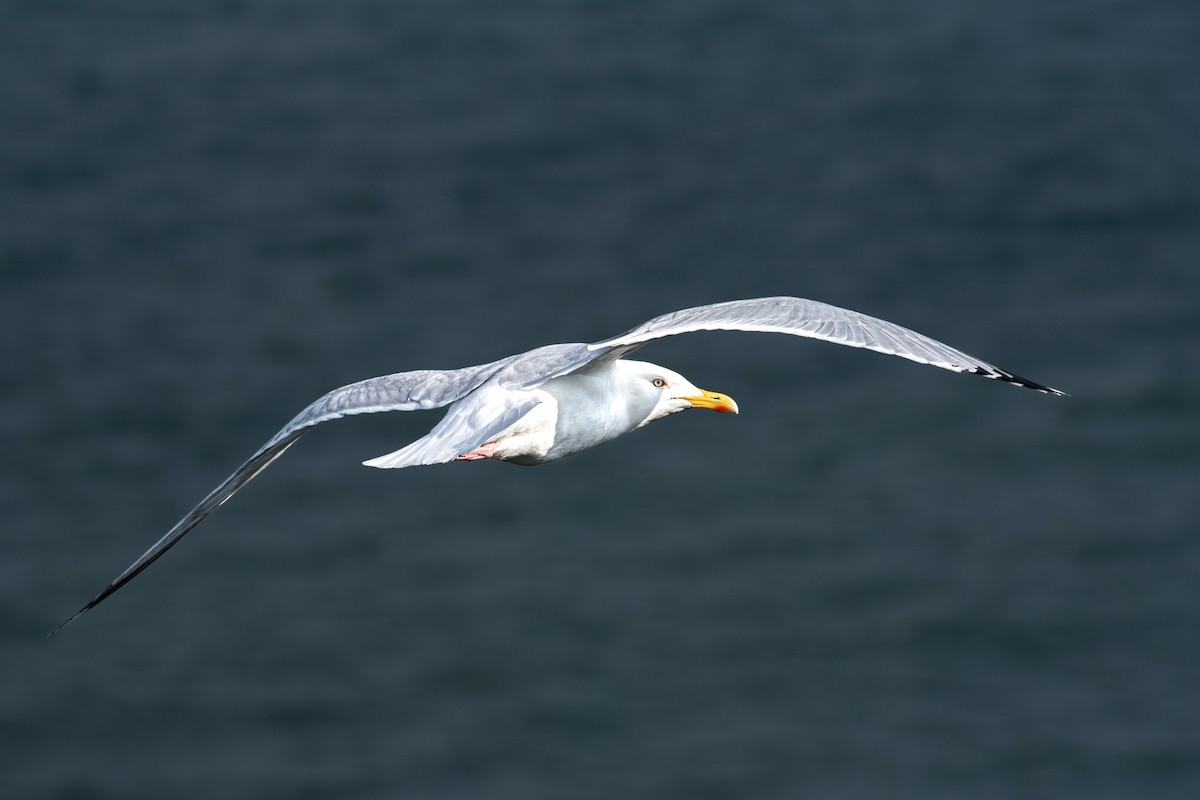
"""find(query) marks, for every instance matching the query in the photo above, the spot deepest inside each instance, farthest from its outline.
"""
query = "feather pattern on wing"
(403, 391)
(815, 320)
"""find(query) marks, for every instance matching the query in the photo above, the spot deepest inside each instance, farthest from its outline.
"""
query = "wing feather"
(810, 318)
(403, 391)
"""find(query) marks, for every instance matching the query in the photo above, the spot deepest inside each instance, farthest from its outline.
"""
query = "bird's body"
(603, 400)
(557, 400)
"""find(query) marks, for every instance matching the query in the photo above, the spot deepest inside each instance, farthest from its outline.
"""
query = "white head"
(664, 391)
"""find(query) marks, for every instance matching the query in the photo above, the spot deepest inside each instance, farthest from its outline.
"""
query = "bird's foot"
(483, 451)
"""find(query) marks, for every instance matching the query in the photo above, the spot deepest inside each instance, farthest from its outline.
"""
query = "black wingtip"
(72, 618)
(94, 602)
(1016, 380)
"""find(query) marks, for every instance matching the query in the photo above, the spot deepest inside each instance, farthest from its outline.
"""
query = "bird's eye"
(658, 383)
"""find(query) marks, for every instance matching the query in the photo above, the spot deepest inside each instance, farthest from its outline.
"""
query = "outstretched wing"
(403, 391)
(424, 389)
(799, 317)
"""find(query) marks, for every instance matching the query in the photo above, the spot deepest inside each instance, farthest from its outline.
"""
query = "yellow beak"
(714, 400)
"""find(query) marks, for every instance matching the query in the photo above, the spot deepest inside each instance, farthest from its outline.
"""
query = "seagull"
(553, 401)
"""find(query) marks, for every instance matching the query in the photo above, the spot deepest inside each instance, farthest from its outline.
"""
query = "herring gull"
(553, 401)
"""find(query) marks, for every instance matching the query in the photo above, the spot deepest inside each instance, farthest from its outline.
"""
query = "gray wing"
(799, 317)
(403, 391)
(466, 426)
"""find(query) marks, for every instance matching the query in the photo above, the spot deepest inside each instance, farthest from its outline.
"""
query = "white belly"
(529, 439)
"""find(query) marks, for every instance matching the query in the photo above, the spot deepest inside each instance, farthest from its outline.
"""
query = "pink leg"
(483, 451)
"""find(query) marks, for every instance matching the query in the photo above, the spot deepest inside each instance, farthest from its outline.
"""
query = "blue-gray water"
(880, 581)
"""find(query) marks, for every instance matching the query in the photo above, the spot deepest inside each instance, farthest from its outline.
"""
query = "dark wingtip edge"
(1016, 380)
(92, 604)
(62, 625)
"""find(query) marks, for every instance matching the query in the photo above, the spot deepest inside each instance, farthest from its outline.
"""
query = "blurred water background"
(880, 581)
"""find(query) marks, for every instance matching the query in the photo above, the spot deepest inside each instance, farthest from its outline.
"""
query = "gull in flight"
(553, 401)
